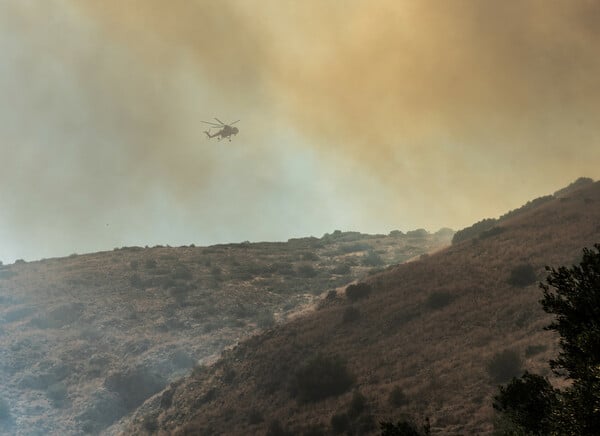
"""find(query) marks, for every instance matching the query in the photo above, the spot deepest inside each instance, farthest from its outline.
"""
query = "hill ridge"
(429, 330)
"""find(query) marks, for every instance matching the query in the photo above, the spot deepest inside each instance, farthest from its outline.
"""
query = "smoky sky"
(358, 115)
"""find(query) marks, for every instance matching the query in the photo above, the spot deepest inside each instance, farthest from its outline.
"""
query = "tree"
(573, 296)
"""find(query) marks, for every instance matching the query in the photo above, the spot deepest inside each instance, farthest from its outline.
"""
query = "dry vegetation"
(432, 339)
(85, 340)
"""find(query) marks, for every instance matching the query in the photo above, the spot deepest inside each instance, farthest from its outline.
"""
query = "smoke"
(430, 95)
(448, 111)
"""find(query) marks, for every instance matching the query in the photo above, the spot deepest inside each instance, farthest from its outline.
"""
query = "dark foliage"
(439, 299)
(397, 397)
(321, 377)
(150, 264)
(404, 428)
(276, 429)
(474, 230)
(340, 423)
(418, 233)
(522, 275)
(372, 259)
(358, 404)
(306, 270)
(528, 402)
(504, 366)
(358, 291)
(494, 231)
(351, 314)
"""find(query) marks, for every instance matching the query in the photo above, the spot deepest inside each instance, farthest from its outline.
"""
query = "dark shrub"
(181, 272)
(57, 393)
(496, 230)
(255, 417)
(397, 397)
(474, 230)
(134, 386)
(150, 264)
(134, 264)
(265, 319)
(401, 428)
(136, 281)
(321, 377)
(439, 299)
(283, 268)
(331, 295)
(372, 259)
(528, 402)
(532, 350)
(504, 366)
(353, 248)
(357, 405)
(351, 314)
(276, 429)
(314, 430)
(522, 275)
(419, 233)
(341, 269)
(309, 255)
(357, 291)
(306, 270)
(340, 423)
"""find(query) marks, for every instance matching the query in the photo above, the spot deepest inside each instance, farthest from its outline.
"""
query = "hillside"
(421, 345)
(84, 340)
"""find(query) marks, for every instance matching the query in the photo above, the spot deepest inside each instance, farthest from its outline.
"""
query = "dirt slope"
(420, 345)
(85, 340)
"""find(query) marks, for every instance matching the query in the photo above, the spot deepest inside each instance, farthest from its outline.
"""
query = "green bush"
(522, 275)
(358, 291)
(321, 377)
(504, 366)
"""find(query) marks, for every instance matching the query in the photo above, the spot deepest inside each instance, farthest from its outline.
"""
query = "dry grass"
(72, 325)
(438, 356)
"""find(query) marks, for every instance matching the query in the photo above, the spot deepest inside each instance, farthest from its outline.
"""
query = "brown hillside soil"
(85, 340)
(428, 330)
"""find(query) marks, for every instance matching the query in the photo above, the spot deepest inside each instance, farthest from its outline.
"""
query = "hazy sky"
(355, 115)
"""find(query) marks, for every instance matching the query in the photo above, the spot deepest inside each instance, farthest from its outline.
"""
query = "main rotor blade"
(222, 123)
(212, 124)
(231, 124)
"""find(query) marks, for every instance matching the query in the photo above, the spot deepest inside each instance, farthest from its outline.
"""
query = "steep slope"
(86, 339)
(433, 339)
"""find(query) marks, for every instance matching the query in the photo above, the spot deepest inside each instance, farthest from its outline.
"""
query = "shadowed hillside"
(431, 338)
(85, 340)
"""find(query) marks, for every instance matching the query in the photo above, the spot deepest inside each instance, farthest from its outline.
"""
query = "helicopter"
(226, 130)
